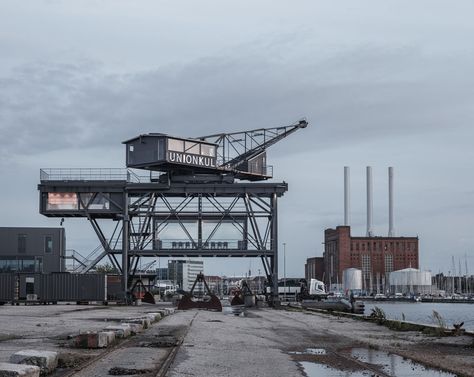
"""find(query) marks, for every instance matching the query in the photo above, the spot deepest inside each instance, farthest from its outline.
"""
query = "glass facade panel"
(13, 264)
(95, 201)
(192, 148)
(62, 200)
(208, 150)
(48, 244)
(175, 145)
(27, 265)
(9, 265)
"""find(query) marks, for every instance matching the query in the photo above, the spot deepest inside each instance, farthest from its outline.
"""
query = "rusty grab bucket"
(190, 302)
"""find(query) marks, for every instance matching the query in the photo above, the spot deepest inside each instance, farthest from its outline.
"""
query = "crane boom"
(239, 150)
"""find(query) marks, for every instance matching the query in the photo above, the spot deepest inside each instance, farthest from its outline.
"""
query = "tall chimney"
(370, 232)
(347, 196)
(391, 229)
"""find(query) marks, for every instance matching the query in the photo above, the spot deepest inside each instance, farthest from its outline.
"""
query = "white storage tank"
(352, 278)
(410, 281)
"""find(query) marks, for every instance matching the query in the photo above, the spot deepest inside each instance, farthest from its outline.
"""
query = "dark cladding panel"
(7, 287)
(145, 150)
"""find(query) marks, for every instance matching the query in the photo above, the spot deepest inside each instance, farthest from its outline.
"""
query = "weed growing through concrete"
(378, 315)
(440, 323)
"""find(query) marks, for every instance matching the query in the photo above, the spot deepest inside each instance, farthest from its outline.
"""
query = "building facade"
(314, 268)
(40, 250)
(375, 256)
(183, 273)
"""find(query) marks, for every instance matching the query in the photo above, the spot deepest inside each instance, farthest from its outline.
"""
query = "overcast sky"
(381, 83)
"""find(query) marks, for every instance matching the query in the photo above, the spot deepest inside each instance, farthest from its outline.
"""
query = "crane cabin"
(160, 152)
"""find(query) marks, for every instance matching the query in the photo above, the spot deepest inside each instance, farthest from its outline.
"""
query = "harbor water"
(422, 312)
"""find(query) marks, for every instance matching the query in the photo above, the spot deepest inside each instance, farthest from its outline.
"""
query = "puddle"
(395, 365)
(321, 370)
(388, 365)
(310, 351)
(237, 310)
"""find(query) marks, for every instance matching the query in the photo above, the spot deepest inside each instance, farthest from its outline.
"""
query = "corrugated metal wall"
(7, 287)
(54, 287)
(73, 287)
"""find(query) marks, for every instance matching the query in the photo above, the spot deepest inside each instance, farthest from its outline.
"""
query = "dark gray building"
(39, 250)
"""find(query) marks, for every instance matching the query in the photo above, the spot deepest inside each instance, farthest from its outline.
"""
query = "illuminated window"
(62, 200)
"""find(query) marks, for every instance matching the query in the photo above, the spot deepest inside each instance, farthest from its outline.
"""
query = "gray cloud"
(379, 84)
(359, 94)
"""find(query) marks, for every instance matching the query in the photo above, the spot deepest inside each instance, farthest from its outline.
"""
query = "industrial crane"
(223, 156)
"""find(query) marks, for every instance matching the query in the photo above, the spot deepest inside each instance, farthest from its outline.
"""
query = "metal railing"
(96, 174)
(186, 244)
(114, 174)
(85, 174)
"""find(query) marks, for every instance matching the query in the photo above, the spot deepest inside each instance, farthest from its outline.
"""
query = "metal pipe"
(347, 197)
(391, 229)
(370, 232)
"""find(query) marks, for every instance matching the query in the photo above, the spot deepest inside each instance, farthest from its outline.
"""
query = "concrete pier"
(257, 342)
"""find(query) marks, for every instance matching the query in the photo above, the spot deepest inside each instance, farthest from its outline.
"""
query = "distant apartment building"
(375, 256)
(183, 273)
(39, 250)
(162, 273)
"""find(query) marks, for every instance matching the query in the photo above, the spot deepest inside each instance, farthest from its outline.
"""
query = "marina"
(422, 312)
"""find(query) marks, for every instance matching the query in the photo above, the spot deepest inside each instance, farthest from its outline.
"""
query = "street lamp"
(284, 270)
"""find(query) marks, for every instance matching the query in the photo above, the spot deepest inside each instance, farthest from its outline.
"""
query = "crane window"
(191, 147)
(208, 150)
(175, 145)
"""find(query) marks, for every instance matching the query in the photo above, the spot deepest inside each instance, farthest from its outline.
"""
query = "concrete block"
(134, 327)
(110, 335)
(145, 322)
(46, 360)
(91, 340)
(156, 316)
(18, 370)
(121, 331)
